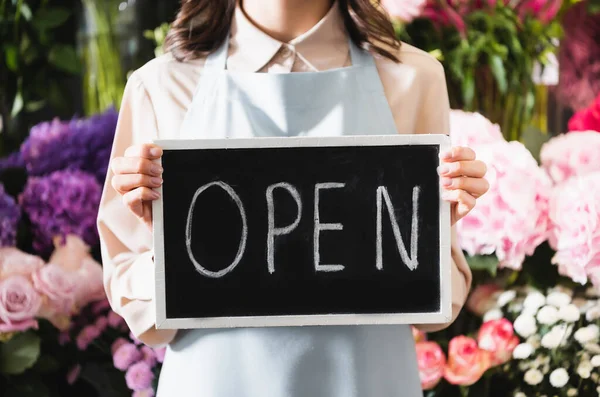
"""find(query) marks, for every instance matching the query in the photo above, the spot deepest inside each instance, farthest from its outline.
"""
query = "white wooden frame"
(443, 315)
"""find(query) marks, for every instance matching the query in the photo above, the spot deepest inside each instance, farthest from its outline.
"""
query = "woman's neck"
(285, 20)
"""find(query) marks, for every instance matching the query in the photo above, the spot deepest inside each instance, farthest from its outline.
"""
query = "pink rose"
(418, 335)
(16, 262)
(572, 154)
(466, 361)
(575, 234)
(19, 304)
(126, 355)
(511, 219)
(139, 376)
(404, 10)
(69, 253)
(57, 285)
(89, 281)
(432, 362)
(469, 129)
(483, 298)
(498, 337)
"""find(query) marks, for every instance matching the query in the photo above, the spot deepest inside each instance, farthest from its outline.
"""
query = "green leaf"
(11, 55)
(19, 354)
(17, 104)
(48, 18)
(487, 263)
(47, 363)
(65, 58)
(534, 139)
(34, 106)
(497, 67)
(468, 89)
(25, 11)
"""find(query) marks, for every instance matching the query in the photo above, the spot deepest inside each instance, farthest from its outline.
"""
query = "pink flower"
(568, 155)
(432, 362)
(16, 262)
(101, 323)
(466, 361)
(57, 285)
(126, 355)
(148, 356)
(100, 306)
(511, 219)
(469, 129)
(90, 286)
(73, 374)
(63, 338)
(114, 320)
(575, 234)
(70, 253)
(543, 10)
(116, 344)
(19, 304)
(587, 119)
(87, 335)
(139, 376)
(160, 354)
(404, 10)
(134, 339)
(418, 335)
(498, 337)
(144, 393)
(483, 298)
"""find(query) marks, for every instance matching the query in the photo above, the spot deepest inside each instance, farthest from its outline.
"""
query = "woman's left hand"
(462, 178)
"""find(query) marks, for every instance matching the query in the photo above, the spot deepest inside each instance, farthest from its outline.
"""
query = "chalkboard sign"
(302, 231)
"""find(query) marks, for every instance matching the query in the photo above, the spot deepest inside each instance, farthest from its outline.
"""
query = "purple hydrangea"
(62, 203)
(15, 160)
(82, 144)
(9, 219)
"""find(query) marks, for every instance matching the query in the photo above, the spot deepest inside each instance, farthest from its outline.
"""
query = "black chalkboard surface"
(302, 231)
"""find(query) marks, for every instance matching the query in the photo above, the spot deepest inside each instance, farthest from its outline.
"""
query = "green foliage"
(158, 36)
(32, 54)
(19, 353)
(488, 263)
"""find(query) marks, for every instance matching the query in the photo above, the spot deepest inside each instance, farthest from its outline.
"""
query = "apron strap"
(217, 60)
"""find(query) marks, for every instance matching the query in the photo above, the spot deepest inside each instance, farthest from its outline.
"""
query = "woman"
(230, 72)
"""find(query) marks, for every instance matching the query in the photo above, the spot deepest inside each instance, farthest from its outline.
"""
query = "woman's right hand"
(136, 174)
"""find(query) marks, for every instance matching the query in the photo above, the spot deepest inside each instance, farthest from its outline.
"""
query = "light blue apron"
(328, 361)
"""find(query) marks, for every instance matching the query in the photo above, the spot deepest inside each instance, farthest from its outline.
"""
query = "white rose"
(571, 392)
(558, 299)
(533, 377)
(595, 361)
(569, 313)
(559, 377)
(587, 334)
(585, 369)
(505, 298)
(547, 315)
(523, 351)
(494, 314)
(534, 301)
(593, 313)
(525, 325)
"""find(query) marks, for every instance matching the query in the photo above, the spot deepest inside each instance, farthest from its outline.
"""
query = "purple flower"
(62, 203)
(87, 335)
(148, 356)
(139, 376)
(82, 144)
(126, 355)
(10, 214)
(14, 160)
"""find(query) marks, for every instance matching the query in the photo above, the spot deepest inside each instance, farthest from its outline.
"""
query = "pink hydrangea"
(568, 155)
(511, 220)
(16, 262)
(469, 129)
(126, 355)
(139, 376)
(575, 233)
(404, 10)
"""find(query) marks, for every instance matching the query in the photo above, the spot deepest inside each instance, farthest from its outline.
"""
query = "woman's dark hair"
(201, 27)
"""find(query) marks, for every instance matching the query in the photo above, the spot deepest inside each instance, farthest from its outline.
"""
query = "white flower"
(569, 313)
(571, 392)
(593, 348)
(505, 298)
(559, 377)
(534, 301)
(598, 390)
(595, 361)
(556, 336)
(533, 377)
(547, 315)
(534, 341)
(585, 369)
(525, 325)
(593, 313)
(494, 314)
(523, 351)
(520, 394)
(558, 299)
(587, 334)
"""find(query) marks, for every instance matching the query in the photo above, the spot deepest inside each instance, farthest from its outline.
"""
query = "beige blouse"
(156, 99)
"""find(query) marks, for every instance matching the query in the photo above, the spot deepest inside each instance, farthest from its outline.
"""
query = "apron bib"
(328, 361)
